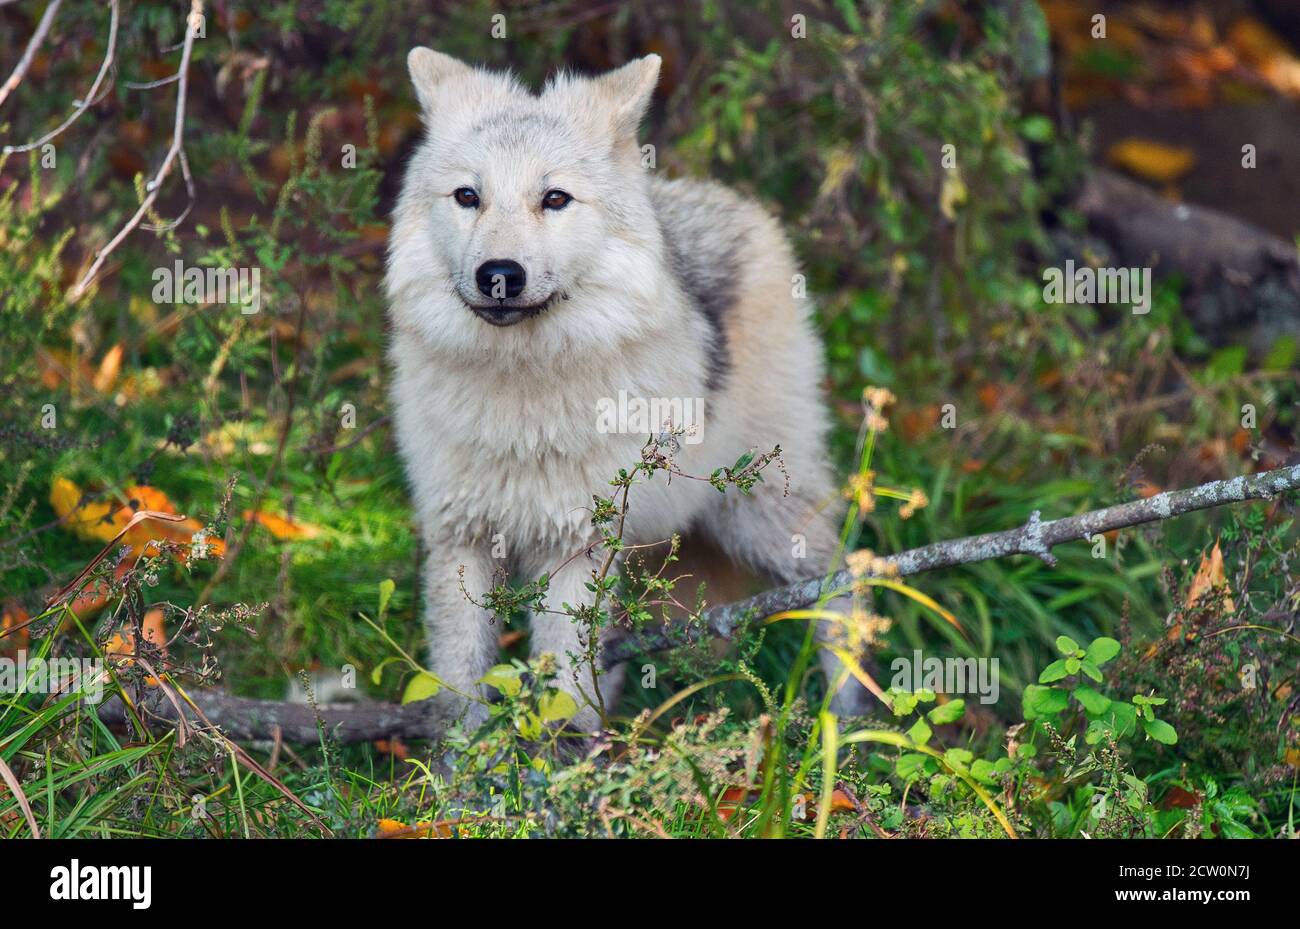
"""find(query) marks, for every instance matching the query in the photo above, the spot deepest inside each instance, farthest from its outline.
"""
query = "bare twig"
(25, 62)
(260, 719)
(154, 186)
(80, 106)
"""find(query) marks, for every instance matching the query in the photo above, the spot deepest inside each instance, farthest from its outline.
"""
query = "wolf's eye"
(555, 200)
(466, 197)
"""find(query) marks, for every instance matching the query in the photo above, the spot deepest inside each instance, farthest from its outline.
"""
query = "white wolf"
(536, 270)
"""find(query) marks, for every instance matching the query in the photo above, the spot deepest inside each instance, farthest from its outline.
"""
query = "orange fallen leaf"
(280, 527)
(109, 368)
(395, 829)
(103, 520)
(840, 802)
(1210, 576)
(1144, 488)
(395, 747)
(121, 647)
(14, 638)
(507, 639)
(1151, 161)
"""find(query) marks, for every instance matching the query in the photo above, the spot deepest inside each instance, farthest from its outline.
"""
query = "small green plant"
(1107, 718)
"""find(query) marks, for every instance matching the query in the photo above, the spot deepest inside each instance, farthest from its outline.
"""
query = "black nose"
(500, 278)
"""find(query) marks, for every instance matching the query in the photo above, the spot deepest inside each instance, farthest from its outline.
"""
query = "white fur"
(498, 425)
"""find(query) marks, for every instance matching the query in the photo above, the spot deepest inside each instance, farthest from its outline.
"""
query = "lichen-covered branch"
(264, 719)
(1035, 538)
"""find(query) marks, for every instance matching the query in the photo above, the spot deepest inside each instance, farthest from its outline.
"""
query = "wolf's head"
(515, 201)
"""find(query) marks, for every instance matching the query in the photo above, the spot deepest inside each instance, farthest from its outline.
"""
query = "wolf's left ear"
(429, 69)
(628, 90)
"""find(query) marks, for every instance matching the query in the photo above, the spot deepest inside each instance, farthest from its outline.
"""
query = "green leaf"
(1102, 650)
(1093, 702)
(386, 588)
(1282, 356)
(1123, 717)
(1066, 645)
(421, 687)
(1054, 672)
(983, 771)
(1091, 670)
(1072, 665)
(958, 758)
(529, 726)
(919, 733)
(1044, 701)
(912, 765)
(1037, 128)
(903, 703)
(1118, 720)
(1160, 730)
(504, 678)
(948, 712)
(556, 706)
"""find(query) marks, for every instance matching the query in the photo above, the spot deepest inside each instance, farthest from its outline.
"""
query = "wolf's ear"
(628, 91)
(429, 69)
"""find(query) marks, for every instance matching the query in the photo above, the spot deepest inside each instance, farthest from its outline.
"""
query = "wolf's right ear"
(628, 91)
(430, 69)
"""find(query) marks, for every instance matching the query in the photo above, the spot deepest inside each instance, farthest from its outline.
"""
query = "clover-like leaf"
(1102, 650)
(1066, 645)
(1160, 730)
(920, 732)
(912, 765)
(1054, 672)
(1044, 701)
(958, 758)
(948, 712)
(1093, 702)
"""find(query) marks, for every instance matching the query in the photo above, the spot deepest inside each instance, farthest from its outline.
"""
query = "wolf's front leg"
(462, 636)
(556, 630)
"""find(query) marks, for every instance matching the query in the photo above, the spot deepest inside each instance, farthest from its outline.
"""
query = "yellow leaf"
(556, 706)
(1152, 161)
(952, 194)
(504, 678)
(421, 687)
(92, 520)
(839, 162)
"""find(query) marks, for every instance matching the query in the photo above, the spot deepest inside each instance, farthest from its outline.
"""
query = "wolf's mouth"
(504, 314)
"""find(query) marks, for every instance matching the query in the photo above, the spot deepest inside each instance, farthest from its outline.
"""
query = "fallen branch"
(263, 719)
(1240, 283)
